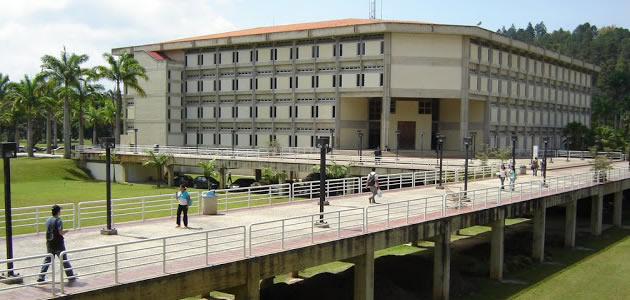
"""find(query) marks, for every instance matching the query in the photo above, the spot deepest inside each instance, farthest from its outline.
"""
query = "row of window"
(253, 112)
(253, 139)
(294, 53)
(425, 107)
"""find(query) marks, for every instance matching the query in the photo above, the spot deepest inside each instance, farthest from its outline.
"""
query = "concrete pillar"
(253, 280)
(171, 173)
(258, 174)
(222, 178)
(496, 246)
(442, 263)
(123, 170)
(364, 272)
(617, 209)
(569, 223)
(597, 209)
(292, 175)
(538, 251)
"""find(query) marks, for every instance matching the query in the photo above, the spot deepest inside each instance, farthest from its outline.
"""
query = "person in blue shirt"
(184, 201)
(55, 244)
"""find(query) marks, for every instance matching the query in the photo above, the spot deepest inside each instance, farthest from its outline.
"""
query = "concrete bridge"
(356, 231)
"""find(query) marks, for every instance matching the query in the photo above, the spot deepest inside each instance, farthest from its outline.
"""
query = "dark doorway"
(407, 135)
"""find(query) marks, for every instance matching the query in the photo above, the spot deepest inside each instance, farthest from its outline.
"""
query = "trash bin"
(522, 170)
(209, 202)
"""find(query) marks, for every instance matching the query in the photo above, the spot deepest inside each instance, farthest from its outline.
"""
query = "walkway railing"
(124, 262)
(36, 216)
(253, 196)
(28, 268)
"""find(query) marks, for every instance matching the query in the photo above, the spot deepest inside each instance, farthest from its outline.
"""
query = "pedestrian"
(535, 166)
(377, 155)
(184, 202)
(372, 184)
(229, 180)
(55, 245)
(512, 178)
(502, 174)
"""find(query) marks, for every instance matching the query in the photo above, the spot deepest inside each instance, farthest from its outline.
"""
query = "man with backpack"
(535, 166)
(372, 184)
(55, 244)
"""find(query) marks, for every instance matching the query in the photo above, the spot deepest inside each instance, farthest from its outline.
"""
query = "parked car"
(40, 149)
(21, 149)
(201, 182)
(242, 182)
(183, 179)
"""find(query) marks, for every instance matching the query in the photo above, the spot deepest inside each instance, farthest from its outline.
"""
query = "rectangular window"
(290, 82)
(251, 112)
(275, 112)
(297, 53)
(234, 115)
(214, 85)
(334, 50)
(256, 55)
(312, 111)
(250, 139)
(219, 112)
(340, 80)
(312, 141)
(333, 111)
(296, 82)
(219, 85)
(235, 56)
(315, 51)
(290, 112)
(186, 61)
(186, 87)
(236, 139)
(168, 87)
(315, 81)
(291, 53)
(256, 84)
(296, 111)
(334, 81)
(185, 136)
(362, 80)
(169, 74)
(340, 49)
(169, 127)
(169, 100)
(271, 112)
(168, 114)
(358, 79)
(360, 48)
(200, 86)
(251, 55)
(380, 79)
(200, 59)
(316, 111)
(256, 140)
(382, 47)
(256, 112)
(215, 58)
(251, 85)
(424, 107)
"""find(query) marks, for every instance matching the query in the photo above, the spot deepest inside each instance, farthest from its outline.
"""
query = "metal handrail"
(36, 216)
(32, 269)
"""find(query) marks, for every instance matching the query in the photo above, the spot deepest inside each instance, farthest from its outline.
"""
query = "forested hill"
(607, 47)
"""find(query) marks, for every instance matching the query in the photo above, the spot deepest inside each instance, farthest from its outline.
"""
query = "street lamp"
(421, 142)
(323, 146)
(440, 140)
(582, 152)
(531, 159)
(544, 169)
(233, 135)
(332, 140)
(567, 145)
(467, 142)
(197, 142)
(135, 142)
(474, 144)
(514, 138)
(8, 151)
(360, 134)
(397, 142)
(108, 143)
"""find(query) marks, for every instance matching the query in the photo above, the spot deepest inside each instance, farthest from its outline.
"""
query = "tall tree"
(157, 161)
(4, 112)
(25, 98)
(65, 71)
(85, 91)
(125, 70)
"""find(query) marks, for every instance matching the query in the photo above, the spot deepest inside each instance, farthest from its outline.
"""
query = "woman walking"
(512, 178)
(502, 174)
(184, 201)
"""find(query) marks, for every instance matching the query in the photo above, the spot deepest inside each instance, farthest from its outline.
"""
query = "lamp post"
(421, 142)
(323, 146)
(197, 142)
(473, 135)
(582, 152)
(567, 145)
(397, 143)
(332, 140)
(233, 135)
(544, 169)
(108, 143)
(467, 142)
(360, 134)
(8, 151)
(135, 140)
(440, 140)
(531, 159)
(514, 138)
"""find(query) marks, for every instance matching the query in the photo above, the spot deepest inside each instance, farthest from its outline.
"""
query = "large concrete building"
(294, 83)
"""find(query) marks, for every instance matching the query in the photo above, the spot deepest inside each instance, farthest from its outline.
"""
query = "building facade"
(396, 82)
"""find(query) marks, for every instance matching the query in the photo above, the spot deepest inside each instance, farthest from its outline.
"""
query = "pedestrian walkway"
(347, 206)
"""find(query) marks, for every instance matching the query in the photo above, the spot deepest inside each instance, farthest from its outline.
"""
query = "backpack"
(52, 233)
(371, 181)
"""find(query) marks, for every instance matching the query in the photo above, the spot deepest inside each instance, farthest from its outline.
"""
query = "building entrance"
(407, 135)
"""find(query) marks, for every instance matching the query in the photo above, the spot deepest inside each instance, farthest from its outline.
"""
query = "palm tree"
(4, 112)
(92, 117)
(209, 169)
(65, 71)
(25, 98)
(85, 91)
(125, 70)
(108, 111)
(157, 161)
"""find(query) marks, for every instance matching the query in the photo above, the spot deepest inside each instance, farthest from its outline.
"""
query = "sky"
(30, 29)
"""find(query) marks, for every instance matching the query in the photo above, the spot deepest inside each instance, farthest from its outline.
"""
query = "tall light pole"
(514, 138)
(233, 135)
(360, 134)
(108, 143)
(531, 159)
(544, 170)
(135, 140)
(397, 143)
(421, 142)
(8, 151)
(197, 141)
(440, 140)
(332, 140)
(582, 152)
(323, 146)
(473, 135)
(567, 145)
(467, 142)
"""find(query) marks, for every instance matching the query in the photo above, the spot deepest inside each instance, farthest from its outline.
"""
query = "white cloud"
(30, 29)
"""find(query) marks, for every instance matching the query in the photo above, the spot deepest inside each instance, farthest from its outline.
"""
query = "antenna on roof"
(372, 9)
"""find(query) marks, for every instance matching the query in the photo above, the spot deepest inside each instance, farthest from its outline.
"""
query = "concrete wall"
(407, 110)
(354, 116)
(98, 171)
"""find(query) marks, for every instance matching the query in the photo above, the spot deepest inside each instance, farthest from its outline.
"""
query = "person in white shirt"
(372, 184)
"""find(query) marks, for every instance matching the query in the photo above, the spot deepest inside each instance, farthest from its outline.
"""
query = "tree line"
(65, 92)
(607, 47)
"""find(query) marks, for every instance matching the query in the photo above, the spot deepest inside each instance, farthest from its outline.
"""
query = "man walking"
(535, 166)
(55, 244)
(372, 184)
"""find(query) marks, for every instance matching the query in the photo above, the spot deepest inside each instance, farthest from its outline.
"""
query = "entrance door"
(407, 135)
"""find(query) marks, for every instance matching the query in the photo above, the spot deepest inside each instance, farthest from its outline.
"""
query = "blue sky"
(32, 28)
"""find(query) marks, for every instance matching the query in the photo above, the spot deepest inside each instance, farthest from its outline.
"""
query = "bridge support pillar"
(253, 280)
(569, 223)
(258, 174)
(597, 209)
(171, 174)
(123, 170)
(442, 263)
(538, 249)
(222, 178)
(617, 209)
(496, 246)
(364, 272)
